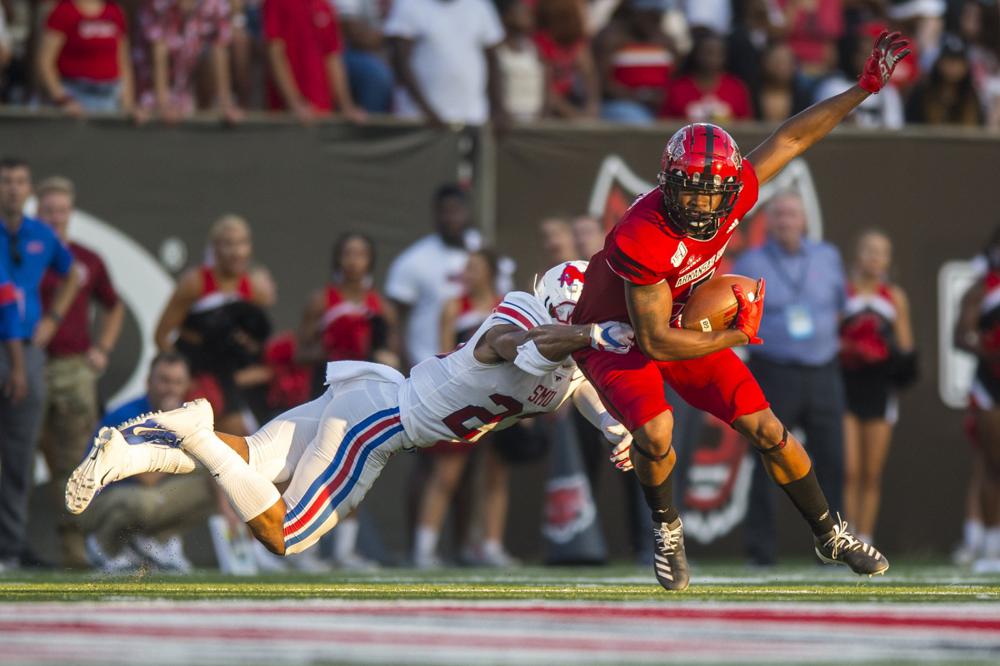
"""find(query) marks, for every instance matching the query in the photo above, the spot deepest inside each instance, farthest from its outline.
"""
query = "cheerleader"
(877, 357)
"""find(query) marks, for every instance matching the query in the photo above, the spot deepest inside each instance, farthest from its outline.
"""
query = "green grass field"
(918, 612)
(712, 582)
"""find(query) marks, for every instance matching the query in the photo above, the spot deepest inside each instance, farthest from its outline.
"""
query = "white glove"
(612, 336)
(618, 435)
(621, 455)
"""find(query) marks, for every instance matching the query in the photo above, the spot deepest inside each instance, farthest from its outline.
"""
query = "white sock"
(425, 542)
(148, 458)
(991, 542)
(491, 547)
(248, 492)
(972, 532)
(345, 538)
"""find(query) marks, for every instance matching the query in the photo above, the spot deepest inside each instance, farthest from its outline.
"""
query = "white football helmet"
(560, 288)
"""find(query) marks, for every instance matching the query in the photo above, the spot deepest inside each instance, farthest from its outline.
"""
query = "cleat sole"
(83, 485)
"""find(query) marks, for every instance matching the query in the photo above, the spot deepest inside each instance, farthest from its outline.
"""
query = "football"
(712, 306)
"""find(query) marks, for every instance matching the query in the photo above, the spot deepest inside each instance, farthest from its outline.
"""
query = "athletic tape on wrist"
(532, 361)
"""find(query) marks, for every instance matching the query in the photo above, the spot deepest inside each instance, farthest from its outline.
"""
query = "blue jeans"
(371, 80)
(626, 112)
(94, 96)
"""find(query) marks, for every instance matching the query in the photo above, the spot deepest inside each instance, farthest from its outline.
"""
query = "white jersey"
(455, 397)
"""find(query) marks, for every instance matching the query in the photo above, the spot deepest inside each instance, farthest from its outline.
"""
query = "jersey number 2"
(457, 420)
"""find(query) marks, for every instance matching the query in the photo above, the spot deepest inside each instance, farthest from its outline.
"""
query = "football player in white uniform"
(332, 449)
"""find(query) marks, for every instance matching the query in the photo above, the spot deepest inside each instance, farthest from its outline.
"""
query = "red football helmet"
(703, 159)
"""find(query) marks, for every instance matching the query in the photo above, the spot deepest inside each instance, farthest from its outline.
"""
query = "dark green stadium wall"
(933, 193)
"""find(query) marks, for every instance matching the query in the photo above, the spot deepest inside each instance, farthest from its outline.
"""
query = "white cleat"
(355, 562)
(986, 565)
(427, 562)
(171, 427)
(104, 464)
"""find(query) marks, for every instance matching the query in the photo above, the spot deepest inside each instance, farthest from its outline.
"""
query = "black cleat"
(669, 561)
(841, 547)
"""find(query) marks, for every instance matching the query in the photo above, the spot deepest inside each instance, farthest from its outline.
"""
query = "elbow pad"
(532, 361)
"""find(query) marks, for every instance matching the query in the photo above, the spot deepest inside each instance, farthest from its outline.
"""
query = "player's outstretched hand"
(751, 309)
(621, 438)
(888, 50)
(621, 456)
(612, 336)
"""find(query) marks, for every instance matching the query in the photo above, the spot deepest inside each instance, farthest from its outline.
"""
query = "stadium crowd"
(473, 61)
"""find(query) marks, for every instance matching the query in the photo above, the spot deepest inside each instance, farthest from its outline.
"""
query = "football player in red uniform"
(669, 241)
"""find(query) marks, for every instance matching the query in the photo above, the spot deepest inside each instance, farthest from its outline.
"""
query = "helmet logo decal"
(570, 276)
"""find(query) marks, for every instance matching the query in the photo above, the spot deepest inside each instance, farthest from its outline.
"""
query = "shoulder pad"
(521, 309)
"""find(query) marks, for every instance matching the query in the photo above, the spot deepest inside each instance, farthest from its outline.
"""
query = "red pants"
(631, 385)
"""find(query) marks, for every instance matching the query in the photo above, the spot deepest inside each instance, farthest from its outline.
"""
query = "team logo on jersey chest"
(679, 255)
(542, 396)
(703, 268)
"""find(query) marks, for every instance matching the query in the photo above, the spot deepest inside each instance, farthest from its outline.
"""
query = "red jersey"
(562, 58)
(73, 335)
(729, 100)
(645, 249)
(90, 49)
(637, 65)
(347, 326)
(310, 33)
(814, 30)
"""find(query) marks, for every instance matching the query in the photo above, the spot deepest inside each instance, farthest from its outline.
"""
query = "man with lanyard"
(797, 364)
(28, 248)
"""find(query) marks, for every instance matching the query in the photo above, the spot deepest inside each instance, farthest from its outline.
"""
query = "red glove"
(750, 310)
(889, 49)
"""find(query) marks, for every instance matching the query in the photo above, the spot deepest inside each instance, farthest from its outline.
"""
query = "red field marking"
(353, 636)
(887, 617)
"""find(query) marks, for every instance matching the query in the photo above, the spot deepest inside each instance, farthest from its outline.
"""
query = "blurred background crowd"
(473, 61)
(216, 339)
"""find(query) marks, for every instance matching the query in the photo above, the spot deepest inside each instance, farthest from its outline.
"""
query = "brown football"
(712, 306)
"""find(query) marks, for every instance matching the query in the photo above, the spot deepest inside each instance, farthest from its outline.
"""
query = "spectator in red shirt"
(304, 52)
(635, 59)
(348, 319)
(75, 360)
(814, 26)
(704, 92)
(574, 89)
(84, 58)
(173, 36)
